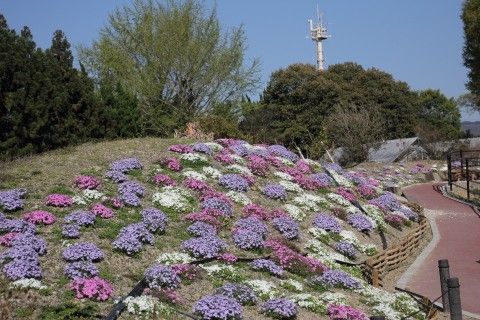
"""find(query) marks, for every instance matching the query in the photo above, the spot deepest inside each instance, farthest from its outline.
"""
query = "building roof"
(388, 151)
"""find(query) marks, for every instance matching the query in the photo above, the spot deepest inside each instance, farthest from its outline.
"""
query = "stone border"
(401, 283)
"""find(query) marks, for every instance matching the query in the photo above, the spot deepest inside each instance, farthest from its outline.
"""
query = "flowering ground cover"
(78, 231)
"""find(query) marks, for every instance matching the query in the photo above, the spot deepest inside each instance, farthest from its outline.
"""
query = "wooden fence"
(390, 259)
(376, 267)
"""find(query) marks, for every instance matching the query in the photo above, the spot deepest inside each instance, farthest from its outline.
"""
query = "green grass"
(62, 189)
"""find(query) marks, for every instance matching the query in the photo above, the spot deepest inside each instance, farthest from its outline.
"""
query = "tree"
(174, 57)
(438, 113)
(356, 130)
(471, 49)
(44, 102)
(121, 112)
(298, 100)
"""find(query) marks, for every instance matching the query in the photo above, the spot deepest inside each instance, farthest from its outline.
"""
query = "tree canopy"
(298, 104)
(44, 102)
(174, 57)
(471, 49)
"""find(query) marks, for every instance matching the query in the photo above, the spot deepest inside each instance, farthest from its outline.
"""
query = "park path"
(456, 237)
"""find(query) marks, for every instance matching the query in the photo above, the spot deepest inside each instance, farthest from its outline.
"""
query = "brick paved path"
(458, 241)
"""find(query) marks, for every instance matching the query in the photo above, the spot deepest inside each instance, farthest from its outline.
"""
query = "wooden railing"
(390, 259)
(376, 267)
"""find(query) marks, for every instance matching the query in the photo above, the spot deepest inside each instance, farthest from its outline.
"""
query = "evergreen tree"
(44, 101)
(471, 49)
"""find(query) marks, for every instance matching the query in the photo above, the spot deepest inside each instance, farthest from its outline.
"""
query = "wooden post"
(449, 167)
(461, 164)
(375, 277)
(468, 179)
(444, 272)
(454, 299)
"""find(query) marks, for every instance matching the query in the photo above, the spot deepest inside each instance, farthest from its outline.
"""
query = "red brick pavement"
(459, 231)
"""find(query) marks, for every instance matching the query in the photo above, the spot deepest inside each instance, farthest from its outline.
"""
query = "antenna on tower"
(318, 33)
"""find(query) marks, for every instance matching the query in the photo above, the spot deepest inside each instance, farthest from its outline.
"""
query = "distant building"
(411, 149)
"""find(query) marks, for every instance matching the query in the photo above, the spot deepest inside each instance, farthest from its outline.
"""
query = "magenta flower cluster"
(366, 191)
(347, 194)
(40, 217)
(164, 180)
(180, 148)
(95, 288)
(257, 165)
(102, 211)
(395, 220)
(292, 260)
(303, 166)
(345, 312)
(224, 157)
(59, 200)
(86, 182)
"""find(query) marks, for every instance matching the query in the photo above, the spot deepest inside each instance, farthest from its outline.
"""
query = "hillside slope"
(221, 230)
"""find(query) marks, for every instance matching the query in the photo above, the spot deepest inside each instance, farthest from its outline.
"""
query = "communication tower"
(318, 33)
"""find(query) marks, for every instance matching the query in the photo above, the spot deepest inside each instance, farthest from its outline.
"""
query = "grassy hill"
(251, 202)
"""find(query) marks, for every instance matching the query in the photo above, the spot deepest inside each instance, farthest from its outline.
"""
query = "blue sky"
(419, 42)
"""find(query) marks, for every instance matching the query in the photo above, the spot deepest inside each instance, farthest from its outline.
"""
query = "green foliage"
(301, 108)
(219, 126)
(440, 114)
(298, 100)
(175, 57)
(70, 311)
(45, 103)
(471, 49)
(122, 112)
(62, 189)
(356, 130)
